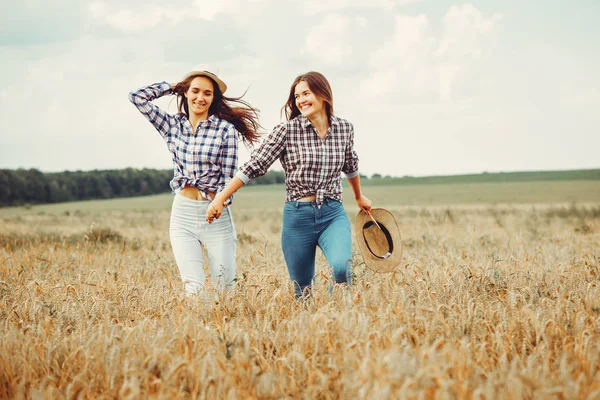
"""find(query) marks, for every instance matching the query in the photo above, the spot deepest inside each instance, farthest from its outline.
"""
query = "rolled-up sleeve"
(350, 167)
(230, 153)
(142, 99)
(265, 155)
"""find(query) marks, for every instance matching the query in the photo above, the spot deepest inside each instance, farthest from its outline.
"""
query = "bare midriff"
(193, 193)
(308, 198)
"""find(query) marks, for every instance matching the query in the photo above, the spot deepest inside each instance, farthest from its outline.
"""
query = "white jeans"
(190, 232)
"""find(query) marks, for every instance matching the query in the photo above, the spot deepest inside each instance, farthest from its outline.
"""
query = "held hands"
(364, 203)
(214, 209)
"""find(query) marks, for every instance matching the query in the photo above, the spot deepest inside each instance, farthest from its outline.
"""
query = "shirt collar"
(306, 122)
(212, 118)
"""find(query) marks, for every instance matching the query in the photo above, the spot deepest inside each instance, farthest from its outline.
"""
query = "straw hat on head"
(381, 246)
(203, 71)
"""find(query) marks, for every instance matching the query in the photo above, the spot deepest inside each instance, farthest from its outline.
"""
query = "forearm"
(355, 185)
(142, 99)
(233, 186)
(264, 156)
(148, 93)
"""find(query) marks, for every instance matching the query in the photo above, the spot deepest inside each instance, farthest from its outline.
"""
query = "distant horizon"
(367, 175)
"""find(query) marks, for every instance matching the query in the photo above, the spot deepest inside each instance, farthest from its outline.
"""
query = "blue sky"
(432, 87)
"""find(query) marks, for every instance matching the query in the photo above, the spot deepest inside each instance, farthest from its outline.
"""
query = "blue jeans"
(306, 226)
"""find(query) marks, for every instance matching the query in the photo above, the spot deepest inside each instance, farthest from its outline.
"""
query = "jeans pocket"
(290, 208)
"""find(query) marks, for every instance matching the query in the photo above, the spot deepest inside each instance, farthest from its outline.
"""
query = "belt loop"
(297, 203)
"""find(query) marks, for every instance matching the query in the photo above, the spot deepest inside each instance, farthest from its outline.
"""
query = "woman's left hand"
(364, 203)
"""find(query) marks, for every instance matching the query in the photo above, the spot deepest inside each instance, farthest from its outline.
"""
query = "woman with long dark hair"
(203, 140)
(314, 147)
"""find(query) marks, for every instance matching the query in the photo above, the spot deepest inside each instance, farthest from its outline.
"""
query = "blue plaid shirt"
(206, 159)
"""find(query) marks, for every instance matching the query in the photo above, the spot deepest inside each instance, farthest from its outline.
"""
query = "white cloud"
(415, 64)
(36, 22)
(403, 67)
(144, 17)
(79, 100)
(463, 28)
(131, 20)
(319, 6)
(467, 37)
(140, 17)
(329, 41)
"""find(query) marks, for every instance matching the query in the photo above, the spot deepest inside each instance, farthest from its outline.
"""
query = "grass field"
(497, 297)
(273, 197)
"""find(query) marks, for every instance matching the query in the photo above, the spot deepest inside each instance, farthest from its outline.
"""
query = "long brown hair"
(243, 116)
(319, 85)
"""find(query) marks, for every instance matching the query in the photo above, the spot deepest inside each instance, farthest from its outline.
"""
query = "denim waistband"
(182, 199)
(312, 203)
(195, 210)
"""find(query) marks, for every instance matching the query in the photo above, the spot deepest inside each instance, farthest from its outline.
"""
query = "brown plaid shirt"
(312, 165)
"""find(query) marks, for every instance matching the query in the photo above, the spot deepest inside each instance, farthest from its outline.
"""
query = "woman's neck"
(196, 119)
(321, 123)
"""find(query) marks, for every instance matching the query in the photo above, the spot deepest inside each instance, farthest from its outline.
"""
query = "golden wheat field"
(492, 301)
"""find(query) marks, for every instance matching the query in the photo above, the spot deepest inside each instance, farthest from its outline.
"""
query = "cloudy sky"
(432, 86)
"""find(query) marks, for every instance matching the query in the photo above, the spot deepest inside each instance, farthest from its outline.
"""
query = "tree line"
(31, 186)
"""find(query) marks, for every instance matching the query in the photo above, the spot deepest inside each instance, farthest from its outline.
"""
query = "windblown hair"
(319, 85)
(232, 109)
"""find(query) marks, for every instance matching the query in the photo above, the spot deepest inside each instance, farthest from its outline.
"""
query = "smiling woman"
(202, 139)
(197, 99)
(314, 146)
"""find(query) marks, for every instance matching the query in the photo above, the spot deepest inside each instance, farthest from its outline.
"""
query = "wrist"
(220, 198)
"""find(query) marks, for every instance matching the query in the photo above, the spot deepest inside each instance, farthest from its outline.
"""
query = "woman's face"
(200, 96)
(306, 101)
